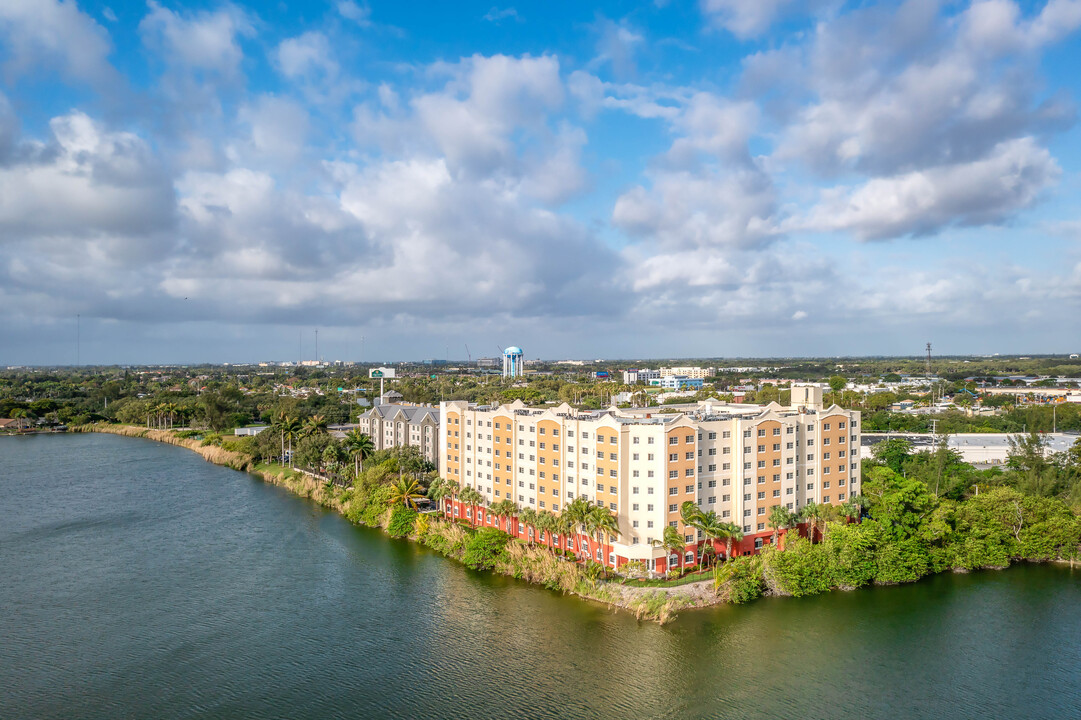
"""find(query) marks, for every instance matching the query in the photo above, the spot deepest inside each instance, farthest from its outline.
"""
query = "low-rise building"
(634, 377)
(392, 423)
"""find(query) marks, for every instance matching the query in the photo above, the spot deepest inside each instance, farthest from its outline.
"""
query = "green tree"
(780, 518)
(672, 542)
(406, 491)
(360, 447)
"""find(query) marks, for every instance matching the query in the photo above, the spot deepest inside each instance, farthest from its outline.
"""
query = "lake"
(139, 581)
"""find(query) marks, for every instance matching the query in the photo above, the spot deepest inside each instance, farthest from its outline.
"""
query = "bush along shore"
(907, 531)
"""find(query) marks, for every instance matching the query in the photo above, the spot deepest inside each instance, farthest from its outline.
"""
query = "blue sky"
(215, 181)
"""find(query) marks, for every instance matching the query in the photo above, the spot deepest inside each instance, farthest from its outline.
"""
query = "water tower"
(512, 362)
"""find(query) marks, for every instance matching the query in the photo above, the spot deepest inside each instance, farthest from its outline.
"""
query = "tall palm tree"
(691, 515)
(406, 491)
(713, 528)
(731, 533)
(438, 489)
(473, 498)
(360, 446)
(528, 517)
(576, 514)
(780, 518)
(672, 542)
(314, 424)
(813, 513)
(292, 429)
(602, 521)
(455, 488)
(545, 525)
(19, 415)
(563, 525)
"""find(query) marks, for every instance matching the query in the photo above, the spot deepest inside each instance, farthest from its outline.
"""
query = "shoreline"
(532, 563)
(656, 604)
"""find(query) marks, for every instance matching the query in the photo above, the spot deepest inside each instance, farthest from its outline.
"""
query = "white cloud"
(360, 14)
(744, 18)
(305, 55)
(204, 41)
(497, 15)
(278, 126)
(985, 191)
(617, 44)
(85, 180)
(51, 34)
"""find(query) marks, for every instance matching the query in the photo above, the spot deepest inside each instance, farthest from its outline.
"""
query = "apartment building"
(737, 460)
(633, 377)
(394, 424)
(696, 373)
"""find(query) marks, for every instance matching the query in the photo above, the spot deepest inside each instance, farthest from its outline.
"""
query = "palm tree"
(291, 430)
(360, 446)
(333, 456)
(528, 517)
(813, 513)
(19, 415)
(545, 526)
(473, 498)
(510, 510)
(314, 424)
(576, 514)
(780, 519)
(454, 487)
(672, 542)
(602, 521)
(438, 489)
(713, 529)
(691, 515)
(406, 492)
(731, 533)
(562, 524)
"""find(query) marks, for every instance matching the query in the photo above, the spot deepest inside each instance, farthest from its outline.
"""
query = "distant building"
(249, 431)
(393, 424)
(512, 362)
(634, 377)
(487, 362)
(698, 373)
(677, 382)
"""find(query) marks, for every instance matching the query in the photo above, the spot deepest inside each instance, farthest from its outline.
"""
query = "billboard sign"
(380, 373)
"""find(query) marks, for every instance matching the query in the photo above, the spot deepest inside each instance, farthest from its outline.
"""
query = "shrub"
(486, 549)
(740, 580)
(801, 569)
(402, 521)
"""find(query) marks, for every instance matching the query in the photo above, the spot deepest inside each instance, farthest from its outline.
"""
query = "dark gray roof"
(414, 413)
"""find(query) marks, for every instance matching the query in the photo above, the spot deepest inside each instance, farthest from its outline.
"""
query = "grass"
(685, 580)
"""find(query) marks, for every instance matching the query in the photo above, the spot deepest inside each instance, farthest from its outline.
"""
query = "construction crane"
(467, 354)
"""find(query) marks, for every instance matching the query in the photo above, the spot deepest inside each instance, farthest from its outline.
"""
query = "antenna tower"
(928, 359)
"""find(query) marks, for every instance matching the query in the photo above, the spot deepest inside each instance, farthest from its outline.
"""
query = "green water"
(138, 581)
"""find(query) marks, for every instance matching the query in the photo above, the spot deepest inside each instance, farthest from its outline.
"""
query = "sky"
(228, 182)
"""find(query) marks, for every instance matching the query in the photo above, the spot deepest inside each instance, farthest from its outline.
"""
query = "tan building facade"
(737, 460)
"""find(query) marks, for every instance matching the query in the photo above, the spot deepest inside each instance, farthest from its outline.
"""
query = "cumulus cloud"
(84, 180)
(202, 41)
(744, 18)
(986, 191)
(56, 35)
(306, 55)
